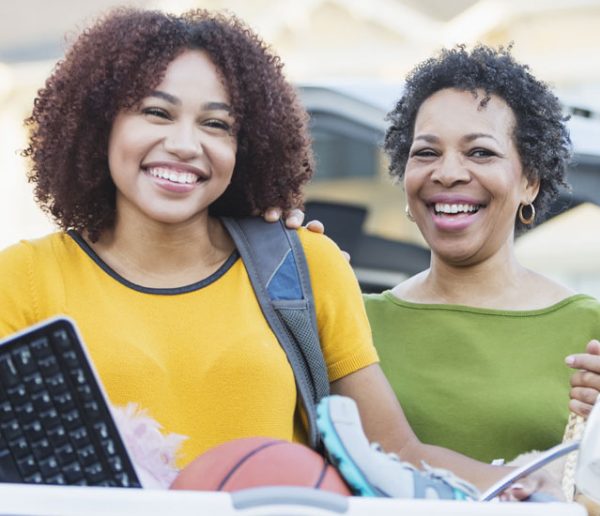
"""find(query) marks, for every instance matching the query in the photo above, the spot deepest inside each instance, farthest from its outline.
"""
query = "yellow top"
(200, 359)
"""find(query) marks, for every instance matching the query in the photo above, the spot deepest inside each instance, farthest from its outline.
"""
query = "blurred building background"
(352, 56)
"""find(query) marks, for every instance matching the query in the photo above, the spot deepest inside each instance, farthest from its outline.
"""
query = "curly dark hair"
(117, 62)
(540, 135)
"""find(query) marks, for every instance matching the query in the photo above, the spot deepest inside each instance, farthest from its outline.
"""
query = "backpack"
(276, 265)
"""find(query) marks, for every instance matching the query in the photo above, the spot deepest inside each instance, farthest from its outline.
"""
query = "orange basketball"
(259, 462)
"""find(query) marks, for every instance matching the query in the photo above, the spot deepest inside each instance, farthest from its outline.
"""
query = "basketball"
(259, 462)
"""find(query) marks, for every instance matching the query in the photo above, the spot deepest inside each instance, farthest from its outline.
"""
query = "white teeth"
(455, 208)
(173, 176)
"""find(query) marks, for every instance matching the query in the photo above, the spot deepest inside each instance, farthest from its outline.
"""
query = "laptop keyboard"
(55, 425)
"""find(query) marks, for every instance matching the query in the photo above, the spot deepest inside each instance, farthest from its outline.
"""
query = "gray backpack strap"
(278, 271)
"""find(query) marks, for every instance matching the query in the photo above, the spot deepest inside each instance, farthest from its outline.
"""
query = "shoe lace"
(451, 479)
(436, 473)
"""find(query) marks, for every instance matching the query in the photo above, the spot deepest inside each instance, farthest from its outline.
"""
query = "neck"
(485, 283)
(163, 255)
(489, 283)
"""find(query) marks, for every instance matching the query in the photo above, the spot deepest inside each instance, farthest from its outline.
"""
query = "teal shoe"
(369, 471)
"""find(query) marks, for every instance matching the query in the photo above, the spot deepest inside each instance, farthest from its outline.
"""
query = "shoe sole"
(342, 411)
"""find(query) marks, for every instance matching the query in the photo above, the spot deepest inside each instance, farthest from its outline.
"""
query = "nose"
(183, 141)
(450, 170)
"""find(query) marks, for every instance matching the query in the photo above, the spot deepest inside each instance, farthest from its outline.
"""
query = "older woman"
(475, 346)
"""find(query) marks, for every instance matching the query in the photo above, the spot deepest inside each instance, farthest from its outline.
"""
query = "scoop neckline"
(388, 295)
(192, 287)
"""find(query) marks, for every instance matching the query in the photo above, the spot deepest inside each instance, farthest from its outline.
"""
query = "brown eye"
(156, 112)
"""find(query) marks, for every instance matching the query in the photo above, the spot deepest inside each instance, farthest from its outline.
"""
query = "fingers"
(593, 347)
(584, 394)
(589, 361)
(294, 218)
(580, 408)
(316, 226)
(272, 214)
(586, 379)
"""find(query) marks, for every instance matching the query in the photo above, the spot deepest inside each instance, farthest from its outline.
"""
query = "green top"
(487, 383)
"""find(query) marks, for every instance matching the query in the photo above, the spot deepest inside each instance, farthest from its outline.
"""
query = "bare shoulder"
(411, 289)
(545, 291)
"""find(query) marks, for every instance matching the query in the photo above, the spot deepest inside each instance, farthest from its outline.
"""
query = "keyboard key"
(94, 473)
(70, 358)
(126, 480)
(36, 478)
(116, 464)
(58, 480)
(9, 376)
(19, 447)
(25, 412)
(72, 419)
(87, 455)
(8, 468)
(57, 435)
(101, 430)
(18, 394)
(78, 376)
(41, 449)
(92, 409)
(11, 429)
(60, 339)
(27, 466)
(49, 467)
(64, 401)
(6, 411)
(34, 382)
(107, 483)
(23, 360)
(73, 473)
(33, 431)
(56, 384)
(79, 437)
(48, 366)
(85, 393)
(109, 447)
(50, 418)
(42, 401)
(40, 347)
(65, 453)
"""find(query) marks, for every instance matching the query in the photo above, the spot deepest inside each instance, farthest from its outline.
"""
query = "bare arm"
(384, 422)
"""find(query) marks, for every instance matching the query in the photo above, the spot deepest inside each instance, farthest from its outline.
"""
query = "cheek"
(410, 182)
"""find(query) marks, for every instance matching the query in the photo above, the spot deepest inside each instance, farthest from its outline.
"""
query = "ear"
(530, 189)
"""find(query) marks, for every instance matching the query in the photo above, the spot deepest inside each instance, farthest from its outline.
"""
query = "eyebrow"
(208, 106)
(431, 138)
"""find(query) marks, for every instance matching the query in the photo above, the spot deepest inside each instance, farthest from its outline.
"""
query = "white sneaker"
(371, 472)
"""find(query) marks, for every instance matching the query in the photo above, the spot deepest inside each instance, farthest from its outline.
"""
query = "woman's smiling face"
(173, 155)
(463, 179)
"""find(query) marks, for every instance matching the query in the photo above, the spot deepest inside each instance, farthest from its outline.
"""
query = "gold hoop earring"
(527, 220)
(409, 215)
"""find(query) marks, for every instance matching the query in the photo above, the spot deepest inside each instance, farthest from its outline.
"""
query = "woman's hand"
(293, 219)
(585, 383)
(539, 484)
